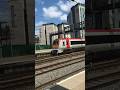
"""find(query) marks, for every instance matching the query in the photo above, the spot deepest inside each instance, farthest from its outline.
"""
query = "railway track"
(17, 75)
(47, 67)
(55, 66)
(103, 74)
(53, 58)
(25, 78)
(17, 81)
(44, 55)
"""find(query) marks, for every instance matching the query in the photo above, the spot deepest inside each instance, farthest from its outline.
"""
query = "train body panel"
(71, 43)
(68, 44)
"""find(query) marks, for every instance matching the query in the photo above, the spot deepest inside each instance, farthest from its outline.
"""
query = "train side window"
(63, 43)
(77, 42)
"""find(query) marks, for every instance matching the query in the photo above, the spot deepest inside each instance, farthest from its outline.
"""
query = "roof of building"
(49, 24)
(62, 23)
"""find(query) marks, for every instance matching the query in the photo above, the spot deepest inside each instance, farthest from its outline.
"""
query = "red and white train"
(60, 45)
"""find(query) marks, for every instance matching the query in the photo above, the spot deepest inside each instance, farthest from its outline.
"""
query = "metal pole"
(26, 22)
(45, 34)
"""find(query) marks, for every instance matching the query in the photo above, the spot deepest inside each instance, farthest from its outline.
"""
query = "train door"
(67, 43)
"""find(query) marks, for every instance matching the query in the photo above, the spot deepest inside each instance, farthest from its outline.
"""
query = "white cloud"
(66, 6)
(36, 9)
(52, 12)
(80, 1)
(39, 23)
(63, 17)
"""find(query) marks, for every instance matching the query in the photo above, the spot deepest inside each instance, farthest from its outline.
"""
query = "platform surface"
(17, 59)
(43, 51)
(75, 82)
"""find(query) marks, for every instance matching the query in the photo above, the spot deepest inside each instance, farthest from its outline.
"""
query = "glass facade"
(102, 16)
(4, 22)
(5, 34)
(16, 34)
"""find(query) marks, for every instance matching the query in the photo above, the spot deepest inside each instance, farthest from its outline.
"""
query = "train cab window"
(63, 43)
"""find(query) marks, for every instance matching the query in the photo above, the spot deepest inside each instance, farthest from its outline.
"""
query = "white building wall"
(42, 36)
(50, 28)
(79, 17)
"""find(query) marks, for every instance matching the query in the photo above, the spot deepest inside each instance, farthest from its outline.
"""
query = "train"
(102, 43)
(67, 44)
(98, 43)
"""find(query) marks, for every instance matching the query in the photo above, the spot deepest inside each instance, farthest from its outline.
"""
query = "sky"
(52, 11)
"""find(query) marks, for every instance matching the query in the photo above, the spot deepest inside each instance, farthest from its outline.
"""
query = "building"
(76, 19)
(45, 31)
(36, 39)
(22, 31)
(62, 28)
(16, 26)
(104, 15)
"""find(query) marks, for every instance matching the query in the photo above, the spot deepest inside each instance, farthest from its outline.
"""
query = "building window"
(12, 16)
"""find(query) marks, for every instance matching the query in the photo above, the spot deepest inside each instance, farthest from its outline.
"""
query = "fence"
(16, 50)
(39, 47)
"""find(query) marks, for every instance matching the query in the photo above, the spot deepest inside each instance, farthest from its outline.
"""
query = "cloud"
(66, 6)
(52, 12)
(81, 1)
(63, 17)
(36, 9)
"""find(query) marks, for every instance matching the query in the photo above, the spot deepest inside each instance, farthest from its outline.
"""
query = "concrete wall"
(18, 25)
(75, 17)
(50, 28)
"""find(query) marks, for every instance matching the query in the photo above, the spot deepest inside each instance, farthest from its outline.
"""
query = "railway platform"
(17, 59)
(75, 82)
(15, 72)
(43, 51)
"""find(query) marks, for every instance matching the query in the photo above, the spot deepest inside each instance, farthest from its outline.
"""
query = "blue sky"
(52, 11)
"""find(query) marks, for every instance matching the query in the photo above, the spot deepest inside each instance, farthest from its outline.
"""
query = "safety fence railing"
(40, 47)
(16, 50)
